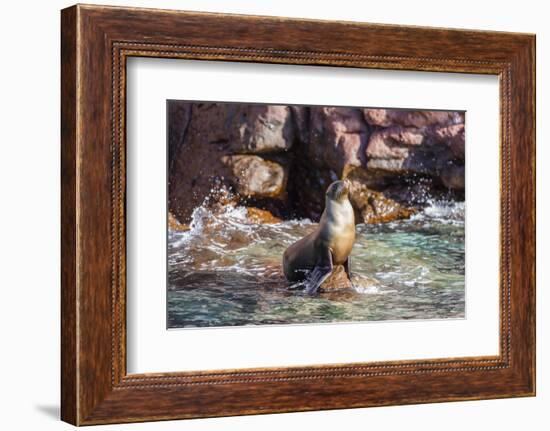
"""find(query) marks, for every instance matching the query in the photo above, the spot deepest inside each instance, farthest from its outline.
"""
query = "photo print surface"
(289, 214)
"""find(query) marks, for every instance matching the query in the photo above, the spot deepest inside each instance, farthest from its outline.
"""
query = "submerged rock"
(338, 280)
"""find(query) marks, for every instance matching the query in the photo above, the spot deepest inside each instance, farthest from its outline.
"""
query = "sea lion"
(313, 257)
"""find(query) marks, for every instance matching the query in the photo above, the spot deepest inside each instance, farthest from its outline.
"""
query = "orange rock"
(373, 206)
(258, 215)
(175, 225)
(383, 210)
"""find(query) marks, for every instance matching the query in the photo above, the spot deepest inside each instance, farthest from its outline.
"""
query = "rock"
(179, 114)
(307, 187)
(282, 158)
(196, 168)
(338, 280)
(407, 150)
(253, 176)
(338, 138)
(375, 199)
(258, 215)
(409, 118)
(262, 129)
(246, 128)
(301, 120)
(212, 124)
(453, 136)
(243, 128)
(452, 176)
(373, 206)
(404, 151)
(391, 149)
(175, 225)
(416, 142)
(380, 209)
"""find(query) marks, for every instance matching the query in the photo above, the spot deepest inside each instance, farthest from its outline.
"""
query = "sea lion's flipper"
(347, 268)
(319, 274)
(316, 278)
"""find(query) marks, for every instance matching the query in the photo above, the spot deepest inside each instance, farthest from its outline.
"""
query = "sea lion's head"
(338, 191)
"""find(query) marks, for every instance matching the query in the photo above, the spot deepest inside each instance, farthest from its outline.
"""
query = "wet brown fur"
(336, 231)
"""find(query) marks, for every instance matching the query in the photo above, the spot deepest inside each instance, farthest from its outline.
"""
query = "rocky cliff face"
(282, 158)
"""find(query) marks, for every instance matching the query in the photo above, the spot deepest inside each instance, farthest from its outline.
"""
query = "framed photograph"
(264, 214)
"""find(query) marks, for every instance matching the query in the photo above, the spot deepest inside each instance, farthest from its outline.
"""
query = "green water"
(226, 271)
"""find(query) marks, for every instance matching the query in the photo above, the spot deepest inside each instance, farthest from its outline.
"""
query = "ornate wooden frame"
(95, 43)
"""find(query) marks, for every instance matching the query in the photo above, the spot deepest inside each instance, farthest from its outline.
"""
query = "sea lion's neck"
(339, 212)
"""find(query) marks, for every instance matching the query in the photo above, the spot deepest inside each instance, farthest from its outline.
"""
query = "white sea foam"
(443, 211)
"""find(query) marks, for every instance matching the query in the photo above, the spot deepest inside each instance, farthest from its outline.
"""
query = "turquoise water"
(226, 271)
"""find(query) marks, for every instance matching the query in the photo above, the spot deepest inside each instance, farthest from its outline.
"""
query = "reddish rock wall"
(282, 158)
